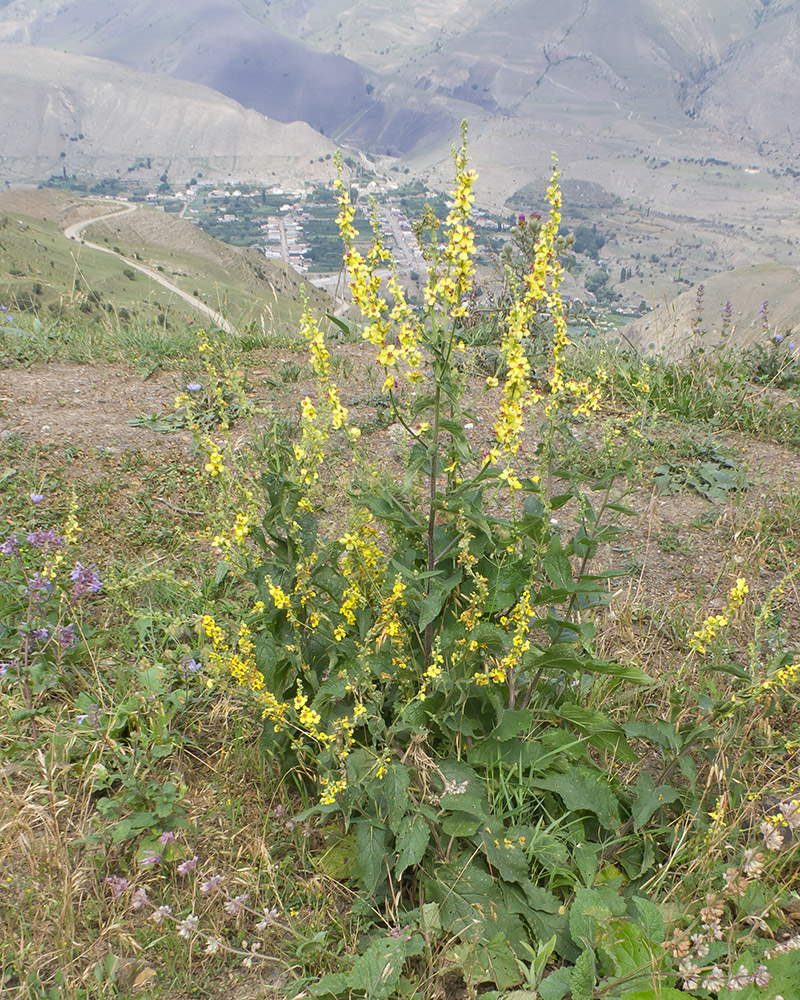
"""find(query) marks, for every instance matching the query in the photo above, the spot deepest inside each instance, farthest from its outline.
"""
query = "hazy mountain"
(397, 77)
(70, 114)
(676, 121)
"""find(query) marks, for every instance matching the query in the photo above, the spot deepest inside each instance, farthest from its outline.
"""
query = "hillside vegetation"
(41, 269)
(443, 658)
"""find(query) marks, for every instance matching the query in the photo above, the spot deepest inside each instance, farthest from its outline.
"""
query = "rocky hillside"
(65, 114)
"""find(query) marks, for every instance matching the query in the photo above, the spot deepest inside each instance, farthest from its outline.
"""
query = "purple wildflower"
(92, 715)
(194, 387)
(167, 837)
(5, 667)
(778, 338)
(45, 539)
(139, 899)
(213, 883)
(66, 637)
(10, 546)
(38, 586)
(161, 913)
(36, 497)
(190, 666)
(41, 634)
(150, 859)
(520, 217)
(233, 907)
(761, 976)
(187, 866)
(187, 927)
(86, 580)
(117, 885)
(741, 980)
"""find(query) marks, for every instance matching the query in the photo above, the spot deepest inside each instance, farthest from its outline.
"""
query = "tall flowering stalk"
(426, 603)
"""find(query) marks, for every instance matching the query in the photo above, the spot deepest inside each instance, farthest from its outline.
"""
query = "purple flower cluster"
(10, 546)
(45, 540)
(38, 586)
(190, 666)
(86, 580)
(66, 637)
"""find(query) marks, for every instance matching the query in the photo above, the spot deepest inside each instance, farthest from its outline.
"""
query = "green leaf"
(503, 853)
(340, 859)
(431, 606)
(627, 952)
(514, 722)
(430, 921)
(412, 841)
(649, 799)
(655, 993)
(583, 976)
(601, 731)
(461, 824)
(371, 841)
(587, 908)
(378, 970)
(557, 984)
(650, 918)
(736, 669)
(331, 984)
(395, 787)
(346, 328)
(582, 789)
(557, 567)
(490, 961)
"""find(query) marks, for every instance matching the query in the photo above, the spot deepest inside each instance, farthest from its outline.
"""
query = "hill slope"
(39, 265)
(70, 114)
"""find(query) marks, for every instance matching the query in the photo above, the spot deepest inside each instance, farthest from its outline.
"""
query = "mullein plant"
(449, 627)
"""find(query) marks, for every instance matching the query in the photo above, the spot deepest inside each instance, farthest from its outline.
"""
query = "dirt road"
(74, 231)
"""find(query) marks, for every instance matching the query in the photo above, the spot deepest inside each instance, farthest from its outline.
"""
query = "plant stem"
(432, 515)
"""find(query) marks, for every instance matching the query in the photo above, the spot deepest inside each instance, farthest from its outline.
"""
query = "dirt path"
(74, 231)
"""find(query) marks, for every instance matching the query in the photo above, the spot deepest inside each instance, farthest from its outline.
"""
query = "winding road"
(74, 231)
